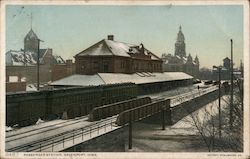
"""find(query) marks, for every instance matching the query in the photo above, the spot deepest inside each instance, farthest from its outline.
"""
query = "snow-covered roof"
(28, 58)
(58, 59)
(113, 78)
(80, 80)
(110, 47)
(172, 59)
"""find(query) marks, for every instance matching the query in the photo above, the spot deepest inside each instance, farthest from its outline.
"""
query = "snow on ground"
(8, 128)
(39, 121)
(180, 137)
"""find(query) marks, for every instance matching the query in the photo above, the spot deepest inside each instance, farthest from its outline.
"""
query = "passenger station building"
(112, 62)
(110, 56)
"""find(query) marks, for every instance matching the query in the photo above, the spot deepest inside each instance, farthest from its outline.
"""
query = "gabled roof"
(114, 48)
(58, 60)
(31, 35)
(28, 58)
(171, 59)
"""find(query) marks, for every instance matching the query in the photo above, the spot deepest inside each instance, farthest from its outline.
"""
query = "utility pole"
(219, 71)
(231, 98)
(38, 63)
(219, 102)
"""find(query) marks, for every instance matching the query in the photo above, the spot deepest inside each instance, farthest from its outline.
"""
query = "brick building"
(226, 71)
(180, 62)
(110, 56)
(23, 63)
(15, 85)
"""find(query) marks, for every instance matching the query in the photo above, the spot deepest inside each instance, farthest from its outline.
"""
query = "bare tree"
(206, 123)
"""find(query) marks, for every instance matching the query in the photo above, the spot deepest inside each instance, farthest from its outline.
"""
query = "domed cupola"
(180, 36)
(180, 46)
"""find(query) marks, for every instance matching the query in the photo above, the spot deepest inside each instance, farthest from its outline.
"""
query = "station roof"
(107, 47)
(114, 78)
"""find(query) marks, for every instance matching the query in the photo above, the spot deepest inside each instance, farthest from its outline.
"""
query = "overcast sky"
(71, 29)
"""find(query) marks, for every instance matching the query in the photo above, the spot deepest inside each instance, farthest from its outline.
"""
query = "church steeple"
(196, 60)
(189, 59)
(30, 41)
(180, 46)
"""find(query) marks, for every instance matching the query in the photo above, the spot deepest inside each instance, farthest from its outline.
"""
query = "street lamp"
(38, 63)
(219, 71)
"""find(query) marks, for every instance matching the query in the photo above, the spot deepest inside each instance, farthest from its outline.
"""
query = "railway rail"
(45, 128)
(49, 143)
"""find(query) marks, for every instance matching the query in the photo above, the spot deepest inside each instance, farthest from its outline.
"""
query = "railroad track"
(51, 140)
(10, 138)
(43, 143)
(183, 96)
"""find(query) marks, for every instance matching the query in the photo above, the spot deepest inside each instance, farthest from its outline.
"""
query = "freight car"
(26, 107)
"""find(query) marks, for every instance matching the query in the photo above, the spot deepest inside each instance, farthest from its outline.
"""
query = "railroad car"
(26, 108)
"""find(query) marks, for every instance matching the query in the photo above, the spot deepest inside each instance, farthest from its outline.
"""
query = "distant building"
(16, 85)
(179, 62)
(24, 62)
(226, 71)
(110, 56)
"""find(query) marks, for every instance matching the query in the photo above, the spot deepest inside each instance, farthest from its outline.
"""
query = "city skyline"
(70, 29)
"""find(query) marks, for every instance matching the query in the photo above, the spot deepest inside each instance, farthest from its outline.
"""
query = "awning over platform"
(113, 78)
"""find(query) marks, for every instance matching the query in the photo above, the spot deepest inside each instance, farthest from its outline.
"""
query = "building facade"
(180, 62)
(110, 56)
(23, 63)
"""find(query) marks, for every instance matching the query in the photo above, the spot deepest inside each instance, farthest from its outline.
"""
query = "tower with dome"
(180, 62)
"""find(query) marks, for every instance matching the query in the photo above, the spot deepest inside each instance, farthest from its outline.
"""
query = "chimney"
(110, 37)
(69, 62)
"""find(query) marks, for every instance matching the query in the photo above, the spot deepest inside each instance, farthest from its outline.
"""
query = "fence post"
(63, 141)
(105, 127)
(73, 136)
(52, 145)
(111, 124)
(169, 114)
(98, 129)
(82, 133)
(130, 133)
(163, 118)
(90, 132)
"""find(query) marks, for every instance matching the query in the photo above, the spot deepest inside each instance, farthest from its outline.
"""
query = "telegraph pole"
(219, 71)
(219, 102)
(38, 63)
(231, 98)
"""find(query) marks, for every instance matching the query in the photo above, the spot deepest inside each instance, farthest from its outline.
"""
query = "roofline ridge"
(105, 42)
(101, 78)
(123, 42)
(89, 47)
